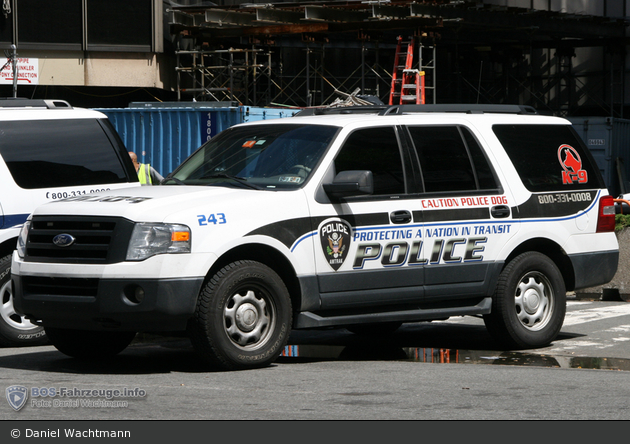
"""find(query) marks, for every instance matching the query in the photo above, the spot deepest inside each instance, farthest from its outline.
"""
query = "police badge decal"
(335, 237)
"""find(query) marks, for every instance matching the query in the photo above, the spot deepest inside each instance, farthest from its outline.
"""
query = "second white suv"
(362, 218)
(49, 151)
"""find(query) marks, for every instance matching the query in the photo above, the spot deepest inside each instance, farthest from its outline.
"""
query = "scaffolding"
(258, 77)
(427, 61)
(487, 54)
(233, 75)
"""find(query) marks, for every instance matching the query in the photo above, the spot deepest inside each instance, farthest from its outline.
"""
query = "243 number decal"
(215, 218)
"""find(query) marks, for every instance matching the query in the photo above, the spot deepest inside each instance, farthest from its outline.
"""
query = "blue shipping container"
(608, 139)
(164, 136)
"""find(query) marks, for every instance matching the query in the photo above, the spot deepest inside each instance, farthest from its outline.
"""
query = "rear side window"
(59, 153)
(549, 157)
(451, 159)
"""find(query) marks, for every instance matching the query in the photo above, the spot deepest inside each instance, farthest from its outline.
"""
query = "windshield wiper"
(174, 179)
(237, 179)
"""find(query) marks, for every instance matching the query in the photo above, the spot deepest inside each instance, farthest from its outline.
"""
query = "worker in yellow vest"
(146, 173)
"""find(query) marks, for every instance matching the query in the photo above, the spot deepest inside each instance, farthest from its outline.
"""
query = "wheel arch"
(269, 256)
(552, 250)
(7, 247)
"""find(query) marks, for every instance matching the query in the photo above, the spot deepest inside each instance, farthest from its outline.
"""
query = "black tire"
(243, 317)
(88, 344)
(529, 303)
(15, 330)
(379, 329)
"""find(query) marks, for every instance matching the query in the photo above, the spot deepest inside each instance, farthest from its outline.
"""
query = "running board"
(308, 319)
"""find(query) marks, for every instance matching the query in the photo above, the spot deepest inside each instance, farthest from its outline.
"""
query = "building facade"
(564, 57)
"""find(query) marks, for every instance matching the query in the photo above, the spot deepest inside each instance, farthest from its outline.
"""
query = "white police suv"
(362, 217)
(48, 151)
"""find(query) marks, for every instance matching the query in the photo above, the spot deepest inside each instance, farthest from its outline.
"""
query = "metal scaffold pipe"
(15, 70)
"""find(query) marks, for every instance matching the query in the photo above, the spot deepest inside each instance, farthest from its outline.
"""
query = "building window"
(6, 30)
(49, 25)
(82, 25)
(119, 25)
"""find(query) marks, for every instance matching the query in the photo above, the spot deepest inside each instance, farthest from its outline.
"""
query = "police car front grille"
(60, 286)
(95, 240)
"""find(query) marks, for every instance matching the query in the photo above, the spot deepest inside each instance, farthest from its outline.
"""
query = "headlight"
(21, 241)
(150, 239)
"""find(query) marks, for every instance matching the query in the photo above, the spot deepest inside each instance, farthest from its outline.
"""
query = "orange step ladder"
(407, 82)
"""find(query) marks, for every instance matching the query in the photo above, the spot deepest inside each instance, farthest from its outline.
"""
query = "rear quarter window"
(549, 157)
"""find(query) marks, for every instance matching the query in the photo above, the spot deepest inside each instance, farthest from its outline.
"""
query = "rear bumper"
(594, 268)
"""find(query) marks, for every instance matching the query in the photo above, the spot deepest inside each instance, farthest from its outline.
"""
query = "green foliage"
(622, 221)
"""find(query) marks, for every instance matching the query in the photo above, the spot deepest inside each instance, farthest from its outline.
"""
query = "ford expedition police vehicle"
(49, 151)
(362, 217)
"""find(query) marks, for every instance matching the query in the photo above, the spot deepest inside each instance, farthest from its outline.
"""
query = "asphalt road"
(424, 371)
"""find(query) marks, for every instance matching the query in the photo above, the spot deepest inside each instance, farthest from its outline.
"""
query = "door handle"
(500, 211)
(400, 217)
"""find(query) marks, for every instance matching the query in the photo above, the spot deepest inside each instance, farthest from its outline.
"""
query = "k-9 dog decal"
(335, 236)
(571, 165)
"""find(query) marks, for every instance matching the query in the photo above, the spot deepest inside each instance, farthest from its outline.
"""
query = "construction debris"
(353, 99)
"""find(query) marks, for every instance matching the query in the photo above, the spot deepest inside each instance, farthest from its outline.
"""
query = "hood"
(148, 203)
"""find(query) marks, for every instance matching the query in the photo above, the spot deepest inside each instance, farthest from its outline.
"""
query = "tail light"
(606, 216)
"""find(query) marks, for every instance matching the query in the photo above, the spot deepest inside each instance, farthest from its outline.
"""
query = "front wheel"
(529, 303)
(15, 329)
(243, 317)
(88, 344)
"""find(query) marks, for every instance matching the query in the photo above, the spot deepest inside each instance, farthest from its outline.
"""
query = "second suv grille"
(88, 239)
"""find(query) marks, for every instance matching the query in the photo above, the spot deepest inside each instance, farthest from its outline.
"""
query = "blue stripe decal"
(575, 216)
(11, 220)
(297, 242)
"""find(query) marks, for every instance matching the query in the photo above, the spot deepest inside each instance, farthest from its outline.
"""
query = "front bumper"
(107, 304)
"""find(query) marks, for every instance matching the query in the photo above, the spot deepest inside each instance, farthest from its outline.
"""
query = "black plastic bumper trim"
(167, 305)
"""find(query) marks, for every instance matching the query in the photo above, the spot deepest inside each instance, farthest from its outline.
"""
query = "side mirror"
(350, 183)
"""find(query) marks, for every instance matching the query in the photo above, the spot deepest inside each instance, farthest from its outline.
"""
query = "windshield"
(258, 156)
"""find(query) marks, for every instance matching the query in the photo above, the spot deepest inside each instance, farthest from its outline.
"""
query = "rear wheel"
(243, 317)
(15, 329)
(88, 344)
(529, 303)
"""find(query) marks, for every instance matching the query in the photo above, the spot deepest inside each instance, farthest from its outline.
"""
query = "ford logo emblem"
(63, 240)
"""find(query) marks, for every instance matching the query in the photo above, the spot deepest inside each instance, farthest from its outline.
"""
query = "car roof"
(409, 114)
(42, 109)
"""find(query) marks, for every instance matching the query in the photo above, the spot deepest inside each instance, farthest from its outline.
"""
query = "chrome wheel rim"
(249, 318)
(534, 301)
(7, 312)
